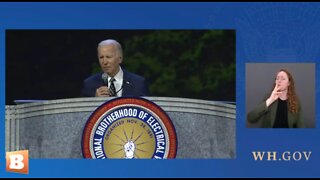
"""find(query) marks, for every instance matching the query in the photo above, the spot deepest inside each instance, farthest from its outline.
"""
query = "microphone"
(105, 79)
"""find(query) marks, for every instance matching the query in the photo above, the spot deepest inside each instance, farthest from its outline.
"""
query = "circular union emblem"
(129, 128)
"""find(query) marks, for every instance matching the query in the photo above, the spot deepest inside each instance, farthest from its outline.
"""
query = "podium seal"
(129, 128)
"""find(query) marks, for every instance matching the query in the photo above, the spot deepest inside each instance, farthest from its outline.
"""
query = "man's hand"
(103, 91)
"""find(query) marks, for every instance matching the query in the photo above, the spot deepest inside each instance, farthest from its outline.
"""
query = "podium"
(53, 128)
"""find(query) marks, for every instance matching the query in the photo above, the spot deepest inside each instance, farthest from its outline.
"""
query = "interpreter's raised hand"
(275, 94)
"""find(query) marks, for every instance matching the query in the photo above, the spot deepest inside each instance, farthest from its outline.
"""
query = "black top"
(282, 115)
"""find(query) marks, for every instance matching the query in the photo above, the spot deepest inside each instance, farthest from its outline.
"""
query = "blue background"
(265, 32)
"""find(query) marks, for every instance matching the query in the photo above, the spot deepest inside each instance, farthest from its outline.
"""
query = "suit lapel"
(290, 119)
(273, 112)
(124, 85)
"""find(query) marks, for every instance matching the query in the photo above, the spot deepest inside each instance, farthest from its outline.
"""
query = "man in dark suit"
(113, 81)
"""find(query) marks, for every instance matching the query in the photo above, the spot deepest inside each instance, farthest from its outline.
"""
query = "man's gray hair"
(111, 42)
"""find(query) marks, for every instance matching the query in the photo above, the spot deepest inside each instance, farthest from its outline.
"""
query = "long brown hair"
(292, 96)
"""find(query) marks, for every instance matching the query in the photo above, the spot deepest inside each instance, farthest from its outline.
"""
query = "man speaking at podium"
(113, 81)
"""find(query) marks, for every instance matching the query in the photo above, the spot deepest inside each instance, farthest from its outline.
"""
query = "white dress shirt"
(117, 83)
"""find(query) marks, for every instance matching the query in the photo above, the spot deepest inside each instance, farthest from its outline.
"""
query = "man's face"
(109, 59)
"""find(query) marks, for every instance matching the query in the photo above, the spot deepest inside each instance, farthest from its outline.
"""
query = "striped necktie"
(112, 88)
